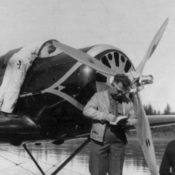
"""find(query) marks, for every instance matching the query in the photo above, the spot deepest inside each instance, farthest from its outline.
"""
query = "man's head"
(120, 87)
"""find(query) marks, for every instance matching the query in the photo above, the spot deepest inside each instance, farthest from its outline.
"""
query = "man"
(167, 166)
(108, 140)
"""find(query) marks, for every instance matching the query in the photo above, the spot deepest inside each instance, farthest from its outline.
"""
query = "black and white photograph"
(87, 87)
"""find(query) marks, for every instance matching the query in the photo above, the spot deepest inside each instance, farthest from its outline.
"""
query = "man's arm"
(91, 111)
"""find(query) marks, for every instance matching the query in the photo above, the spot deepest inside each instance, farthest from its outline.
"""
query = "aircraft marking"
(19, 64)
(147, 142)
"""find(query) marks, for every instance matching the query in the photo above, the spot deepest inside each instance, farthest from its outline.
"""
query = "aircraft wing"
(161, 120)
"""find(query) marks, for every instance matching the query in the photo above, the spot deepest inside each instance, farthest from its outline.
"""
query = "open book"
(121, 119)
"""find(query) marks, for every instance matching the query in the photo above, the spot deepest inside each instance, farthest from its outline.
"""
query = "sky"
(127, 24)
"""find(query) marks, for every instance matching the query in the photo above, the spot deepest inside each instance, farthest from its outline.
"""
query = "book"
(121, 119)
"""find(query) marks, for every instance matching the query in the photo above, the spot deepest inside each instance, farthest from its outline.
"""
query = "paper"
(120, 118)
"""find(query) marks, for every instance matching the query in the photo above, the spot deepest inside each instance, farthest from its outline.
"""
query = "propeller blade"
(144, 135)
(84, 58)
(152, 47)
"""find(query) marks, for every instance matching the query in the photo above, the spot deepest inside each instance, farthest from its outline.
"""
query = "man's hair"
(122, 78)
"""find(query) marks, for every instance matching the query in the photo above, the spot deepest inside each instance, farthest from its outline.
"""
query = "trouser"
(107, 157)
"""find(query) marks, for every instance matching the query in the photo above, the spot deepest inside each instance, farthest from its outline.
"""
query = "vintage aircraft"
(59, 83)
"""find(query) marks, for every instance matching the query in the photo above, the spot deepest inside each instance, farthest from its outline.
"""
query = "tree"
(149, 109)
(167, 110)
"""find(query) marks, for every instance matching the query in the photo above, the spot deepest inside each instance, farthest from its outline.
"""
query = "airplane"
(57, 85)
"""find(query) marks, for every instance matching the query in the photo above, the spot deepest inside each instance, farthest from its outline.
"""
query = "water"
(15, 161)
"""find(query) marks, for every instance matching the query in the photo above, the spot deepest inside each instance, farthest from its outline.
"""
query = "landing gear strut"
(64, 163)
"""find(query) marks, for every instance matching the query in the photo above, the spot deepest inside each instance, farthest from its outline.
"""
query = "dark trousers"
(107, 157)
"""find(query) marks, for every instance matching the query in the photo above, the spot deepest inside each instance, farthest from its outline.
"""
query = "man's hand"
(111, 117)
(131, 121)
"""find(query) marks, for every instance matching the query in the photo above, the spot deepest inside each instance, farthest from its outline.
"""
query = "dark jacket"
(167, 166)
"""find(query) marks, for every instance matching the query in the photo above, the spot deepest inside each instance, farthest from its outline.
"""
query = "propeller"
(84, 58)
(136, 76)
(143, 129)
(151, 48)
(144, 134)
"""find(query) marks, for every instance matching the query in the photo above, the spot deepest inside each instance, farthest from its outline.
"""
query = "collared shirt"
(115, 133)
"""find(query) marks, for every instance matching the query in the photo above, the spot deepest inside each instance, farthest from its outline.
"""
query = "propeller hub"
(148, 79)
(139, 82)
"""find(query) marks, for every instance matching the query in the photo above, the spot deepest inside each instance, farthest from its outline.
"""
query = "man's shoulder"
(170, 149)
(101, 95)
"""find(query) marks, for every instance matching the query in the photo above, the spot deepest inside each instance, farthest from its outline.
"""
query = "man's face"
(118, 92)
(117, 88)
